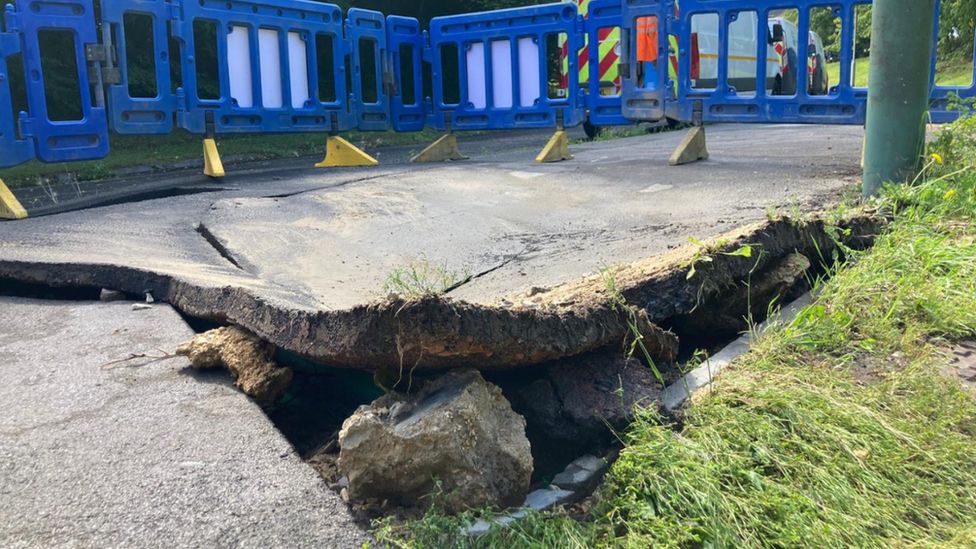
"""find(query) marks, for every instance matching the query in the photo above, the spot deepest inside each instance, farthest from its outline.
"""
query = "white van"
(781, 60)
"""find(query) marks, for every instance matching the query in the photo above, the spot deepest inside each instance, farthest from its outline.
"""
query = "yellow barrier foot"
(692, 148)
(557, 149)
(212, 166)
(10, 207)
(340, 153)
(445, 148)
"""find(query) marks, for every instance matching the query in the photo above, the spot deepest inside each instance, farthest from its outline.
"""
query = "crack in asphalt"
(214, 243)
(326, 187)
(478, 275)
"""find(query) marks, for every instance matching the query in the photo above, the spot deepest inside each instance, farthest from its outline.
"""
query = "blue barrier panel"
(727, 83)
(280, 67)
(644, 65)
(366, 32)
(603, 99)
(13, 149)
(501, 69)
(941, 108)
(406, 43)
(75, 131)
(140, 109)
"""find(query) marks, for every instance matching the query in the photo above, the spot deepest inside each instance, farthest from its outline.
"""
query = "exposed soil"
(248, 358)
(963, 363)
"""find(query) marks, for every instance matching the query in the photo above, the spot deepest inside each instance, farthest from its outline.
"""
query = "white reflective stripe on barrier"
(501, 74)
(239, 66)
(298, 70)
(530, 84)
(475, 62)
(269, 50)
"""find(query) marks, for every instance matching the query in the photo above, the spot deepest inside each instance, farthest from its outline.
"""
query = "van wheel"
(590, 129)
(819, 85)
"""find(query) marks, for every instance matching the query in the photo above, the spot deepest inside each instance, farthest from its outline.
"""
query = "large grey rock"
(458, 430)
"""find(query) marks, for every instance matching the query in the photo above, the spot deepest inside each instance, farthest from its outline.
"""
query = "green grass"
(836, 430)
(129, 151)
(959, 73)
(421, 278)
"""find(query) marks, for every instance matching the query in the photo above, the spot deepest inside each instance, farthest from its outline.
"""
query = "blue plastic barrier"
(503, 69)
(405, 40)
(605, 109)
(85, 137)
(13, 149)
(366, 32)
(282, 92)
(644, 83)
(300, 65)
(140, 115)
(722, 102)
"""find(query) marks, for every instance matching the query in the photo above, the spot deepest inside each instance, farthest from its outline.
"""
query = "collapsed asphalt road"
(305, 261)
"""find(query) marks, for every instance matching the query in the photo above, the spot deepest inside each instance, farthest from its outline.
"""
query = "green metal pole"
(898, 91)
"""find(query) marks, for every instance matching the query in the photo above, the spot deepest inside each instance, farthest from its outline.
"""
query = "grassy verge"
(837, 429)
(161, 151)
(956, 73)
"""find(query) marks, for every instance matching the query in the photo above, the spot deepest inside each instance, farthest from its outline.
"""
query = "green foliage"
(630, 313)
(957, 28)
(422, 278)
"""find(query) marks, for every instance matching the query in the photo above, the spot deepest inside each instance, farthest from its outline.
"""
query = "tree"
(957, 25)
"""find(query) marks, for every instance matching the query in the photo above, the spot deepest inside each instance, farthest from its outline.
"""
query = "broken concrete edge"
(661, 285)
(702, 377)
(545, 499)
(440, 333)
(432, 333)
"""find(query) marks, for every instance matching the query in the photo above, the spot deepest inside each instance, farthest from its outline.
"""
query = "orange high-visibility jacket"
(647, 39)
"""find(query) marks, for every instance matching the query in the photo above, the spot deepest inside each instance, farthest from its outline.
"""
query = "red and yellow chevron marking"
(609, 48)
(673, 57)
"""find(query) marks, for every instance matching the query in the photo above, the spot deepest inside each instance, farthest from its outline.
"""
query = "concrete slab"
(513, 226)
(140, 453)
(302, 259)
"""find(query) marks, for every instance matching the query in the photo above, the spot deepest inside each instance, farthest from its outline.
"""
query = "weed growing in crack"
(750, 321)
(422, 278)
(620, 305)
(705, 251)
(704, 255)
